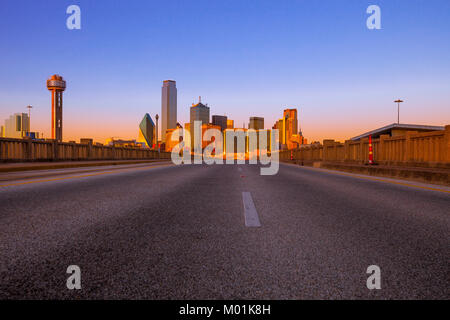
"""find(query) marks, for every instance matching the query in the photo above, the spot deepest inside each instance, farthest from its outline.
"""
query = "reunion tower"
(56, 85)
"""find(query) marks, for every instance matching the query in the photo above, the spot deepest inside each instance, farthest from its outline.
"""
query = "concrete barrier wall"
(413, 148)
(422, 149)
(29, 150)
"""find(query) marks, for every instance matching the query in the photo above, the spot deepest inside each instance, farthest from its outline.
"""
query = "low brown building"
(397, 129)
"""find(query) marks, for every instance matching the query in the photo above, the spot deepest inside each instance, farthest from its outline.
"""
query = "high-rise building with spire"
(199, 112)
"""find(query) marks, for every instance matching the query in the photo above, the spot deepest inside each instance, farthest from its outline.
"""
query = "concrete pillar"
(48, 150)
(433, 156)
(360, 156)
(429, 150)
(422, 149)
(389, 150)
(55, 149)
(437, 155)
(418, 149)
(74, 151)
(446, 141)
(89, 151)
(362, 150)
(326, 151)
(29, 152)
(337, 149)
(408, 154)
(347, 150)
(410, 145)
(5, 150)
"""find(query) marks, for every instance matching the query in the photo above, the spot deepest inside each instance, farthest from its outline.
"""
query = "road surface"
(161, 231)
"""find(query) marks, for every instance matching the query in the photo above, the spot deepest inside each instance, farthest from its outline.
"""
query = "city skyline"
(341, 87)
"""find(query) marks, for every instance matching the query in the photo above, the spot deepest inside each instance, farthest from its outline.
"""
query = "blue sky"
(245, 58)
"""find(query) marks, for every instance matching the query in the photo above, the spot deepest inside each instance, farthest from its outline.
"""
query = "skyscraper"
(282, 130)
(56, 85)
(256, 123)
(199, 112)
(17, 126)
(147, 131)
(289, 135)
(220, 121)
(168, 107)
(291, 122)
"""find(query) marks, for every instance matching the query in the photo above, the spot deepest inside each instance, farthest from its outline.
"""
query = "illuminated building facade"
(291, 124)
(239, 135)
(57, 85)
(168, 107)
(16, 126)
(289, 135)
(123, 143)
(198, 112)
(169, 144)
(205, 127)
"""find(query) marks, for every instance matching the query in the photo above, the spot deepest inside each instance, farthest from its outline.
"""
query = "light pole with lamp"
(157, 145)
(398, 109)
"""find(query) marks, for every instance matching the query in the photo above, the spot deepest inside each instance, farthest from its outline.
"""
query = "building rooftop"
(397, 126)
(199, 105)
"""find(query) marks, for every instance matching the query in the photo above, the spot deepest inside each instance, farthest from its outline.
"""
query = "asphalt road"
(183, 232)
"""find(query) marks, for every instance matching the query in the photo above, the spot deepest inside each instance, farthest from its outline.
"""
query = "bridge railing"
(35, 150)
(413, 148)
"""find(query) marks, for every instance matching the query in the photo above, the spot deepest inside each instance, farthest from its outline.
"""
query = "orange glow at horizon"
(99, 132)
(316, 124)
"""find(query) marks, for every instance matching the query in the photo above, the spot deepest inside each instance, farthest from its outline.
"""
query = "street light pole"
(398, 101)
(156, 130)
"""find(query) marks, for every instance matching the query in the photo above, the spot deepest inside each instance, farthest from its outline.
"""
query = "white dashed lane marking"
(250, 214)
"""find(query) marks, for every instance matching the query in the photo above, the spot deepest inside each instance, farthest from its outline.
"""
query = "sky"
(244, 57)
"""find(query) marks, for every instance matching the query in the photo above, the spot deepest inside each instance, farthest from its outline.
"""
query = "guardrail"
(413, 148)
(12, 150)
